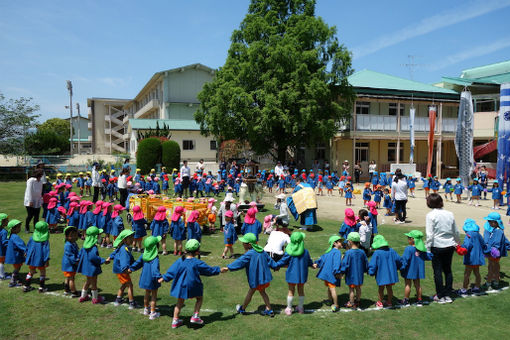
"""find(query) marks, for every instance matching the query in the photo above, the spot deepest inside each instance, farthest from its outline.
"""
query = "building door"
(361, 153)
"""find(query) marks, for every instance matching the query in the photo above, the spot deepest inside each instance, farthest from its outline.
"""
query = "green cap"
(10, 225)
(296, 247)
(151, 248)
(379, 241)
(418, 239)
(354, 237)
(91, 237)
(3, 216)
(41, 233)
(332, 240)
(123, 234)
(192, 245)
(68, 228)
(251, 239)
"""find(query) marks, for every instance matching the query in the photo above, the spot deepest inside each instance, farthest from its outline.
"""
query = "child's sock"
(301, 302)
(41, 281)
(95, 294)
(28, 279)
(289, 301)
(83, 293)
(2, 270)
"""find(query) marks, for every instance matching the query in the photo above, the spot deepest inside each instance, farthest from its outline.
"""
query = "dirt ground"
(333, 208)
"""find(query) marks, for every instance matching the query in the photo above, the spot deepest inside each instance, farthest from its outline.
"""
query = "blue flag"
(503, 167)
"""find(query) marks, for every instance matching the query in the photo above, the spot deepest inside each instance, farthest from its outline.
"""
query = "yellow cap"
(89, 173)
(80, 173)
(112, 171)
(137, 170)
(68, 174)
(152, 170)
(59, 175)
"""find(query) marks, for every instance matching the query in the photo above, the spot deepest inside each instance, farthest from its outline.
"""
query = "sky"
(112, 48)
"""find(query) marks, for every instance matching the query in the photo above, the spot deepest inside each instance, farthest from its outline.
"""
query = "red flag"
(432, 128)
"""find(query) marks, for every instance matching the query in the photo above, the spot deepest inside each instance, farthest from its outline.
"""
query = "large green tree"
(17, 116)
(58, 125)
(47, 142)
(284, 83)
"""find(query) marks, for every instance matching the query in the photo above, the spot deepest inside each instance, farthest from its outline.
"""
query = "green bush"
(148, 154)
(171, 155)
(47, 142)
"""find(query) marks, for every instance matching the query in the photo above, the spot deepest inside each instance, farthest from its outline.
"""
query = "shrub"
(171, 155)
(148, 154)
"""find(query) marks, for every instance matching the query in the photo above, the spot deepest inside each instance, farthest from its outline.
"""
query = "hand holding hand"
(315, 266)
(107, 261)
(160, 280)
(224, 270)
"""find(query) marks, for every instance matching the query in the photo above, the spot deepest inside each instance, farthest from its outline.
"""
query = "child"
(448, 189)
(4, 220)
(496, 247)
(384, 265)
(329, 186)
(160, 226)
(177, 230)
(378, 194)
(15, 252)
(156, 187)
(426, 184)
(251, 224)
(434, 185)
(365, 230)
(375, 180)
(367, 194)
(105, 222)
(298, 259)
(88, 183)
(80, 183)
(354, 266)
(458, 189)
(257, 263)
(87, 218)
(349, 223)
(496, 195)
(411, 183)
(473, 250)
(122, 260)
(150, 276)
(211, 215)
(270, 183)
(372, 214)
(329, 265)
(89, 265)
(38, 256)
(73, 215)
(185, 272)
(53, 215)
(413, 265)
(476, 190)
(387, 202)
(342, 186)
(348, 194)
(194, 230)
(138, 224)
(267, 226)
(281, 185)
(98, 217)
(70, 261)
(117, 225)
(230, 236)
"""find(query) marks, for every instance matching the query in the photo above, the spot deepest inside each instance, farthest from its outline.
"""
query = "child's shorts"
(69, 274)
(354, 286)
(211, 218)
(329, 284)
(262, 287)
(138, 239)
(2, 259)
(124, 278)
(228, 245)
(472, 266)
(34, 267)
(494, 259)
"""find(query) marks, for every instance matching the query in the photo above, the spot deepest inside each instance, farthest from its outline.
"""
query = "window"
(394, 107)
(188, 145)
(212, 145)
(362, 108)
(392, 152)
(361, 152)
(320, 151)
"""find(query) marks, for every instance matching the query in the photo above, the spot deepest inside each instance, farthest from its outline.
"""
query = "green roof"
(173, 124)
(485, 71)
(376, 80)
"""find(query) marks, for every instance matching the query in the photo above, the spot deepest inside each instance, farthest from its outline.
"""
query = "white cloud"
(450, 17)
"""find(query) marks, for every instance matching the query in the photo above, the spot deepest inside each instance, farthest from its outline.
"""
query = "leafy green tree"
(284, 83)
(148, 154)
(170, 154)
(47, 142)
(58, 125)
(17, 116)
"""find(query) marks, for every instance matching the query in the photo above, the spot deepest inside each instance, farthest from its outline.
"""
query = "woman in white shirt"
(33, 198)
(276, 244)
(399, 194)
(96, 181)
(122, 185)
(442, 237)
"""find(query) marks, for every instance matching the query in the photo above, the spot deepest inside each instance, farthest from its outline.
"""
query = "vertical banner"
(503, 166)
(464, 137)
(412, 112)
(432, 128)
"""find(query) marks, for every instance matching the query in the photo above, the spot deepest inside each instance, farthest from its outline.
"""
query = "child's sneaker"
(268, 312)
(462, 292)
(300, 310)
(43, 289)
(388, 304)
(476, 291)
(146, 311)
(14, 284)
(5, 277)
(75, 294)
(405, 303)
(154, 315)
(176, 323)
(83, 299)
(196, 320)
(133, 305)
(288, 311)
(99, 300)
(27, 289)
(240, 310)
(118, 302)
(448, 299)
(335, 308)
(419, 303)
(379, 304)
(349, 304)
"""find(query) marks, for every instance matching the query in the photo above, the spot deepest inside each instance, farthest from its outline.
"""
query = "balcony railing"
(389, 123)
(153, 104)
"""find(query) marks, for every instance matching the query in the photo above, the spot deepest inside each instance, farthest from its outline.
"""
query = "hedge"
(148, 154)
(171, 155)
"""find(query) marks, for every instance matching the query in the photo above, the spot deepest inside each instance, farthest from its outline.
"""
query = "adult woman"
(96, 181)
(357, 171)
(33, 198)
(185, 177)
(442, 237)
(371, 169)
(122, 184)
(399, 194)
(345, 168)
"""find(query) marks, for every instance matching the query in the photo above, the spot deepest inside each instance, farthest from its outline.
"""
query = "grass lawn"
(54, 316)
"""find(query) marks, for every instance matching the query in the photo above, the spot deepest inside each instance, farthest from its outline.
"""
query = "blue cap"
(470, 225)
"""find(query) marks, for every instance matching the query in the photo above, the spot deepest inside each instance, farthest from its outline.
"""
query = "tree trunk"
(282, 151)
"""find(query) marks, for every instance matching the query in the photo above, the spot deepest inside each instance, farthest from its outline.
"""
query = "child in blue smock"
(384, 265)
(256, 263)
(73, 215)
(106, 221)
(15, 252)
(177, 229)
(378, 194)
(434, 185)
(367, 194)
(138, 223)
(149, 279)
(458, 189)
(38, 256)
(185, 273)
(53, 215)
(496, 246)
(329, 265)
(342, 184)
(375, 180)
(86, 217)
(476, 190)
(194, 229)
(354, 266)
(281, 185)
(155, 186)
(448, 189)
(4, 220)
(329, 186)
(348, 194)
(117, 223)
(98, 217)
(349, 224)
(413, 265)
(229, 235)
(251, 224)
(473, 250)
(80, 183)
(497, 195)
(70, 261)
(387, 202)
(372, 214)
(426, 184)
(122, 260)
(89, 264)
(298, 259)
(270, 183)
(411, 184)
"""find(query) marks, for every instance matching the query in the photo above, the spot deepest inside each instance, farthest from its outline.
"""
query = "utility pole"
(79, 122)
(70, 89)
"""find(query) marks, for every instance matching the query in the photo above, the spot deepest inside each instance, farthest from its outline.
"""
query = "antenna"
(411, 65)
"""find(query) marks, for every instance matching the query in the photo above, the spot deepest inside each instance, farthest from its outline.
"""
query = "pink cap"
(52, 203)
(137, 213)
(229, 213)
(177, 213)
(161, 214)
(349, 219)
(193, 216)
(116, 209)
(250, 216)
